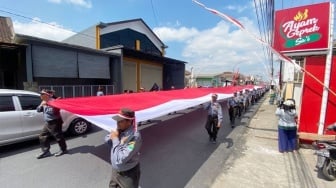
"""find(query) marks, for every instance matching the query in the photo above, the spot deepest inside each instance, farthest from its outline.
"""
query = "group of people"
(125, 142)
(286, 111)
(239, 103)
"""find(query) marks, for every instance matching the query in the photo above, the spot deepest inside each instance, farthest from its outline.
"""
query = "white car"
(20, 121)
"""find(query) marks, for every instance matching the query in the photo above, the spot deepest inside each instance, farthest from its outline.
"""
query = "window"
(6, 104)
(298, 74)
(29, 102)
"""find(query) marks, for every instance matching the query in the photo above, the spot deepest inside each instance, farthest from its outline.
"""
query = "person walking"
(52, 127)
(232, 108)
(214, 118)
(287, 127)
(125, 145)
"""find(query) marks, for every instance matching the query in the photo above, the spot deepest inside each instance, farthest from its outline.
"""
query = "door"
(32, 121)
(11, 123)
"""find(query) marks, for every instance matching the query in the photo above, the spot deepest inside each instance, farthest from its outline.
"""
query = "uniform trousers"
(211, 126)
(232, 114)
(287, 140)
(125, 179)
(52, 128)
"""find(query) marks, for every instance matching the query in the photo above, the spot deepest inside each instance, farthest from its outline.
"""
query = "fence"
(69, 91)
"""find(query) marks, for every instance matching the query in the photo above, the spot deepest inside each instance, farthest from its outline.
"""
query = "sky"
(208, 43)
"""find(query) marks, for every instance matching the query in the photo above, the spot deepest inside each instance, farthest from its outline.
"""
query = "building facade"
(125, 55)
(142, 52)
(309, 75)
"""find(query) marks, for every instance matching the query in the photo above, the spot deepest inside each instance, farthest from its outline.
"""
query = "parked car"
(19, 120)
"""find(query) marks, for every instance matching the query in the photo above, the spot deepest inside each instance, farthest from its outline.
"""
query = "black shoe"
(43, 155)
(60, 153)
(214, 141)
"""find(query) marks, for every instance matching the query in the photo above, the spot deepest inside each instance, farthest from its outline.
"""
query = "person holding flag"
(53, 126)
(125, 145)
(214, 118)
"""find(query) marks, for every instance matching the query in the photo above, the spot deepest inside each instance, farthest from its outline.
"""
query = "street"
(174, 149)
(176, 152)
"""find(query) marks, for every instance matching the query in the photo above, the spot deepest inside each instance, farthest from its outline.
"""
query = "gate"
(70, 91)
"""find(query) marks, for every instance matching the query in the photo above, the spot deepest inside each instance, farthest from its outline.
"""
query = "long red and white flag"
(147, 105)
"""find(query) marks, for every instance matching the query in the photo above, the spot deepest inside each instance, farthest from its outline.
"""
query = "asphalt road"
(174, 153)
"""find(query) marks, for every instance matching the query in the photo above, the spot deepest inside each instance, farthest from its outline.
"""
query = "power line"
(31, 19)
(264, 11)
(154, 14)
(52, 25)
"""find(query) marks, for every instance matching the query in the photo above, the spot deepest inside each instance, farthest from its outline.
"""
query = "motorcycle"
(326, 156)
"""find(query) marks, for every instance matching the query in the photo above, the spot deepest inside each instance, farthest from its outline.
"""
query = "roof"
(23, 38)
(6, 30)
(10, 46)
(142, 55)
(87, 37)
(136, 22)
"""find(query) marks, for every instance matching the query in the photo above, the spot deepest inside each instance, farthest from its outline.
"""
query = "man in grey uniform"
(52, 127)
(214, 118)
(125, 145)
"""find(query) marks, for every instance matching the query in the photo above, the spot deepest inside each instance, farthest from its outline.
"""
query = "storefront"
(304, 35)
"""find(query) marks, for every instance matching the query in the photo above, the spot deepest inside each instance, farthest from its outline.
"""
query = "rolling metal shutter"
(150, 74)
(129, 76)
(53, 62)
(93, 66)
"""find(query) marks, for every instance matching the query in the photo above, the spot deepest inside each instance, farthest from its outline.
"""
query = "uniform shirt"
(287, 118)
(241, 98)
(125, 156)
(215, 109)
(232, 102)
(246, 98)
(249, 96)
(49, 112)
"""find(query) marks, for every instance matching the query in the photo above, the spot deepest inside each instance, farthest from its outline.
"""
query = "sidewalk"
(259, 164)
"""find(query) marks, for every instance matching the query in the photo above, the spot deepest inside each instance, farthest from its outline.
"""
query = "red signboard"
(303, 28)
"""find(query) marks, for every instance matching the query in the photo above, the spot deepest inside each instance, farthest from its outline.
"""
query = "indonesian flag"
(146, 105)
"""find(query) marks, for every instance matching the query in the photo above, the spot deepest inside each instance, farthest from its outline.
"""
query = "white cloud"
(172, 34)
(50, 31)
(215, 50)
(238, 9)
(55, 1)
(83, 3)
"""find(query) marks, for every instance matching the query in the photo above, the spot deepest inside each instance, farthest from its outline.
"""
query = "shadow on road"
(101, 151)
(175, 149)
(22, 147)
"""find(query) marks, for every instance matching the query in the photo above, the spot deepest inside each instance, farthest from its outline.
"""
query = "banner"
(304, 28)
(147, 105)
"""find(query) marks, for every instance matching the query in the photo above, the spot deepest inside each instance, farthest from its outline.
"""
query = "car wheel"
(79, 126)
